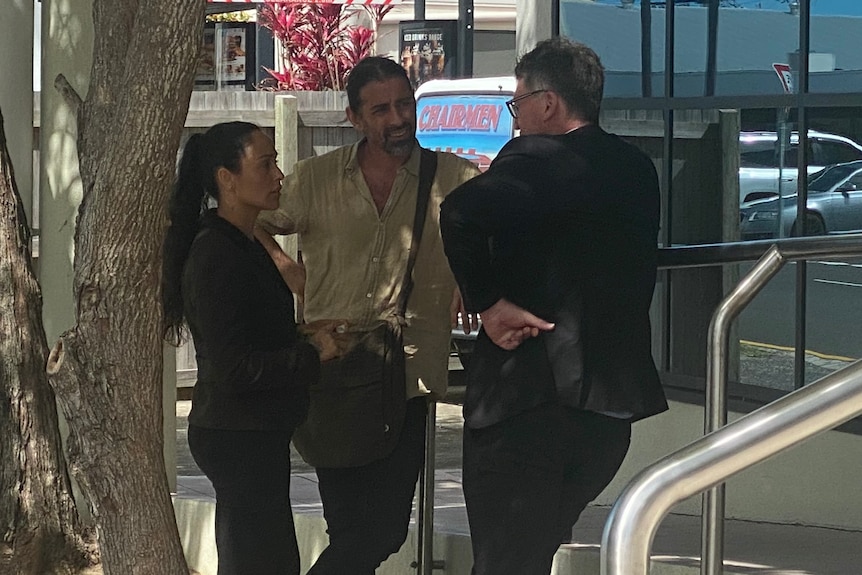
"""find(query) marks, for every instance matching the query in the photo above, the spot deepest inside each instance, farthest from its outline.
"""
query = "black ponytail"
(187, 201)
(221, 146)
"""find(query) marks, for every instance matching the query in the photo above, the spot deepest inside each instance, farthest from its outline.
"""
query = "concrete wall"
(16, 92)
(67, 46)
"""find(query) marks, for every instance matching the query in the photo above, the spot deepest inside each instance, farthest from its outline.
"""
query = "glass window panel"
(834, 316)
(750, 41)
(703, 197)
(766, 328)
(835, 60)
(833, 138)
(765, 333)
(617, 35)
(834, 288)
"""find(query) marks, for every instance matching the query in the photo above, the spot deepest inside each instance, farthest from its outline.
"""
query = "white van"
(467, 117)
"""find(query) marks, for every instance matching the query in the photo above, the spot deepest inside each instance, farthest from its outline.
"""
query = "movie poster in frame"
(428, 49)
(205, 76)
(231, 46)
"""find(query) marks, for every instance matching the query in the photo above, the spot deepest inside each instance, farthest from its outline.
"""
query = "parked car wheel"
(814, 226)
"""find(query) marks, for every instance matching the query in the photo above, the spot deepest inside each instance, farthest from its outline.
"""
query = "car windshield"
(826, 179)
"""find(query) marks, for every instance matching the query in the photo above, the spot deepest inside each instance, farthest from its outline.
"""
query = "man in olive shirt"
(353, 209)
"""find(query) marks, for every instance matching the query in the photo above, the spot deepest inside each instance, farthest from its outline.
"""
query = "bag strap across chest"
(427, 169)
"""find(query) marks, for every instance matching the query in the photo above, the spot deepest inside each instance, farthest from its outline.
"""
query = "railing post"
(425, 539)
(287, 144)
(715, 415)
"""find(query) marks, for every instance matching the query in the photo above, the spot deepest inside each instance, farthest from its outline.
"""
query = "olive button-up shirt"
(355, 258)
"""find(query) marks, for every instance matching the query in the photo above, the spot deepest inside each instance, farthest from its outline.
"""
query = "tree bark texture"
(107, 369)
(41, 531)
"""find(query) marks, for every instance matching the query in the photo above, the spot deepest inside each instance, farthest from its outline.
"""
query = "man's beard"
(401, 147)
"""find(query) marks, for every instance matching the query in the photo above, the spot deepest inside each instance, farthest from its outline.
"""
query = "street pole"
(465, 38)
(783, 132)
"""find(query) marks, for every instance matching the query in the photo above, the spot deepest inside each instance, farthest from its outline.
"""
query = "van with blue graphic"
(467, 117)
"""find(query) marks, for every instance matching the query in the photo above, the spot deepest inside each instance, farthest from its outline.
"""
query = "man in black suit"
(555, 246)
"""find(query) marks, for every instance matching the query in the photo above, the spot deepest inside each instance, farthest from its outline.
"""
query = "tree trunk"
(41, 531)
(106, 370)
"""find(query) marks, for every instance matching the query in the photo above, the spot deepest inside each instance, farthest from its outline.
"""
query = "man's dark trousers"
(367, 509)
(528, 478)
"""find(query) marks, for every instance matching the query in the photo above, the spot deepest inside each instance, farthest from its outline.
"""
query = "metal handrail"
(707, 255)
(647, 492)
(774, 428)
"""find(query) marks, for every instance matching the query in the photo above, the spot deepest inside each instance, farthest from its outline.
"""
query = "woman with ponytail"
(253, 367)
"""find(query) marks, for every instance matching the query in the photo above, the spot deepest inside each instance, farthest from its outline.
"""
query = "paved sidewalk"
(772, 366)
(750, 547)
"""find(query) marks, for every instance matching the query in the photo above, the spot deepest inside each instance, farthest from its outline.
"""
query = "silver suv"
(759, 172)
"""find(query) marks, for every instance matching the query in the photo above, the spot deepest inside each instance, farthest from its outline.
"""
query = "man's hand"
(469, 321)
(509, 325)
(328, 336)
(292, 272)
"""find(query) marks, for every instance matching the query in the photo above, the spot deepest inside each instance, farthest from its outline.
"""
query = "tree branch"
(69, 94)
(55, 358)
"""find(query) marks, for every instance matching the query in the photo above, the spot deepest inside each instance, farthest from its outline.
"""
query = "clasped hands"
(508, 325)
(329, 336)
(505, 323)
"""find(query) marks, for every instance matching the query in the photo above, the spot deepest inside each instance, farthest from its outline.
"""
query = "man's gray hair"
(570, 69)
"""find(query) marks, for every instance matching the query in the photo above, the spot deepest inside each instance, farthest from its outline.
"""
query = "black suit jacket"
(253, 370)
(565, 227)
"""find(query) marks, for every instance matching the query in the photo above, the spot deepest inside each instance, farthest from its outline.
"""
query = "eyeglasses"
(513, 103)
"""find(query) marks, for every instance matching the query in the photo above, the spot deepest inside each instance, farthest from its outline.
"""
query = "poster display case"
(428, 49)
(228, 57)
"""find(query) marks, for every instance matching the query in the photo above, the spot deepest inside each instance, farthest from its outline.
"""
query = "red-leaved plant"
(318, 45)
